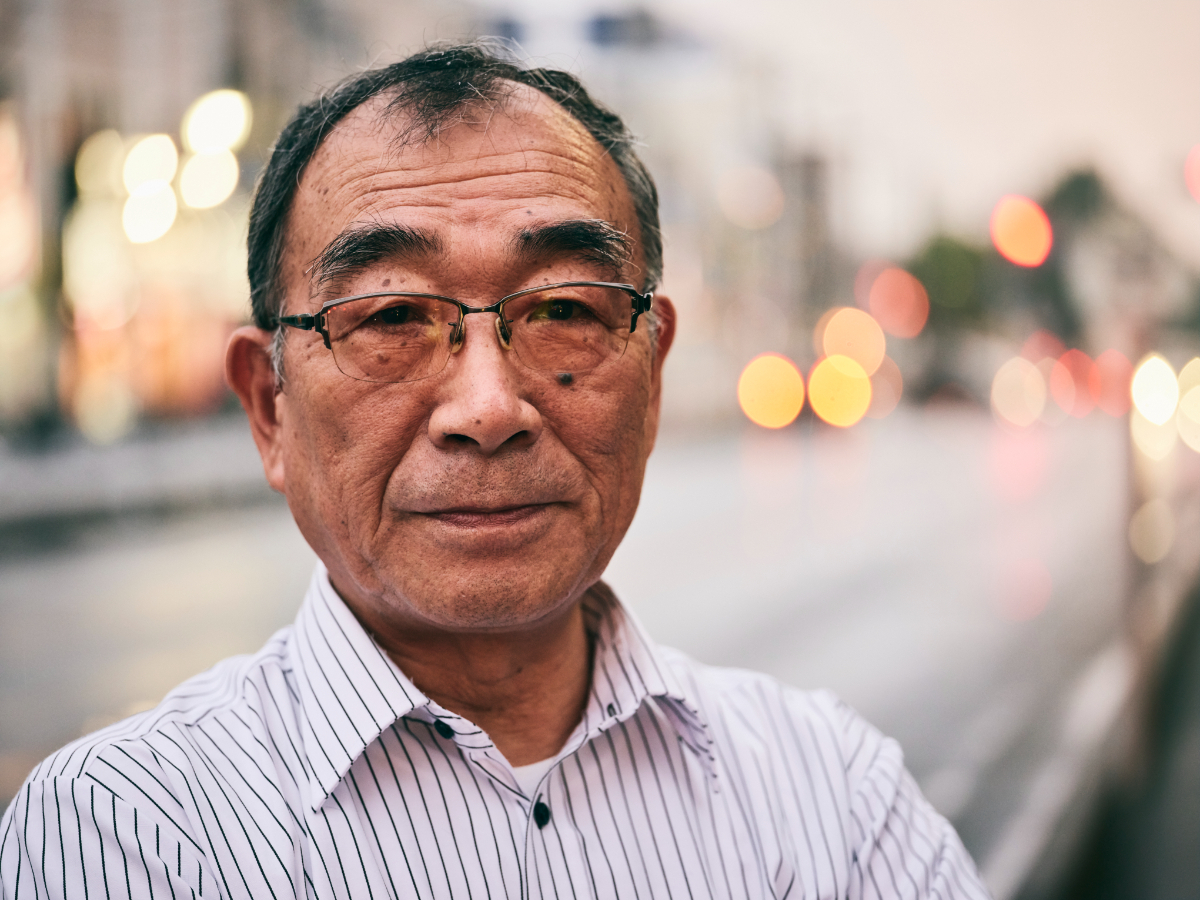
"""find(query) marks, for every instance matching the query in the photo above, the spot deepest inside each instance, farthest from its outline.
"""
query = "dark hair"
(431, 87)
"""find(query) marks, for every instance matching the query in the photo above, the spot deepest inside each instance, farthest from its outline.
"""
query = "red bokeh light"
(1109, 382)
(1191, 172)
(1042, 344)
(899, 303)
(1070, 383)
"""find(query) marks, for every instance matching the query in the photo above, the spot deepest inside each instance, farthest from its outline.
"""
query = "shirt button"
(541, 814)
(612, 710)
(443, 729)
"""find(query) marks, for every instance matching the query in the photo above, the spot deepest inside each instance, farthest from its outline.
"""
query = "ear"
(664, 310)
(251, 374)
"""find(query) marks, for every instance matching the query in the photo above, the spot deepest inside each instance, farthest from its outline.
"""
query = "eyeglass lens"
(395, 338)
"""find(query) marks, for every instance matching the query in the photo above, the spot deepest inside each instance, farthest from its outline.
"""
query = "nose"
(480, 402)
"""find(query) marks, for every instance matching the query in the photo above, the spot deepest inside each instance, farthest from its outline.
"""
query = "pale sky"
(933, 109)
(977, 98)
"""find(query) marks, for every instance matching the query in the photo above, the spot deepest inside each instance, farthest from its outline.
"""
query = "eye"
(560, 310)
(395, 315)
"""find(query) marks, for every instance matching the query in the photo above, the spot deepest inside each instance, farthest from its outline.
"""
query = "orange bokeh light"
(1070, 383)
(1109, 382)
(899, 302)
(854, 333)
(839, 390)
(1021, 231)
(771, 390)
(1191, 172)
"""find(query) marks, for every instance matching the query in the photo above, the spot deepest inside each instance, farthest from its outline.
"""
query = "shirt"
(315, 768)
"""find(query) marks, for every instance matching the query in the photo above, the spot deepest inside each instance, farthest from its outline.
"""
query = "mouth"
(476, 517)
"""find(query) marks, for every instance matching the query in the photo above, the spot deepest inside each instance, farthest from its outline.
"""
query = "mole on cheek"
(565, 378)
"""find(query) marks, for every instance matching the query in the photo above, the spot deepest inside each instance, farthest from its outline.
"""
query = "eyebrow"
(364, 245)
(591, 240)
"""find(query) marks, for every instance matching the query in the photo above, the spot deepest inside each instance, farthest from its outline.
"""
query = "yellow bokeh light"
(1155, 390)
(220, 120)
(839, 391)
(149, 212)
(208, 179)
(1152, 531)
(854, 333)
(1189, 376)
(1187, 420)
(1018, 392)
(151, 159)
(105, 408)
(1152, 439)
(771, 390)
(98, 164)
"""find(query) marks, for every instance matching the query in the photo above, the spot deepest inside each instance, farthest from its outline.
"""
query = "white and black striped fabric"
(316, 769)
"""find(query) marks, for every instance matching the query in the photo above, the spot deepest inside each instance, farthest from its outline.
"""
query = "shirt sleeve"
(902, 847)
(71, 837)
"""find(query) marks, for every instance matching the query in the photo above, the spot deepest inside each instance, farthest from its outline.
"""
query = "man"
(454, 379)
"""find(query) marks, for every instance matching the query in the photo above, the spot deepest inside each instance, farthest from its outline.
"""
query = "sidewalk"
(163, 468)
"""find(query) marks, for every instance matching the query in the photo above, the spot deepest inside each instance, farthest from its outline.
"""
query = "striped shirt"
(315, 768)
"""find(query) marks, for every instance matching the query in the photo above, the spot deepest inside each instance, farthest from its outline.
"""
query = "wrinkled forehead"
(518, 147)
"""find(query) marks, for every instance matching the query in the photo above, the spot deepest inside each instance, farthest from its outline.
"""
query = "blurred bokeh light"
(220, 120)
(152, 159)
(770, 391)
(1021, 231)
(899, 303)
(1155, 390)
(839, 390)
(1071, 383)
(887, 389)
(1191, 172)
(1109, 382)
(1152, 531)
(208, 179)
(1018, 392)
(854, 333)
(750, 197)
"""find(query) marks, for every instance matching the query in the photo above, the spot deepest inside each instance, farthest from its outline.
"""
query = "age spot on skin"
(386, 282)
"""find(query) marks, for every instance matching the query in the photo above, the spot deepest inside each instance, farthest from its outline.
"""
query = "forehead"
(492, 171)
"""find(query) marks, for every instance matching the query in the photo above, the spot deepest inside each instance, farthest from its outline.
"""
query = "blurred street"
(959, 584)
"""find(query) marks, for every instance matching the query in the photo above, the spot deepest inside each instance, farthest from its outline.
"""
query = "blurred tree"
(952, 272)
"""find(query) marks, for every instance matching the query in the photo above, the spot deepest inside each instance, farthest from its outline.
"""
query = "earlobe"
(250, 373)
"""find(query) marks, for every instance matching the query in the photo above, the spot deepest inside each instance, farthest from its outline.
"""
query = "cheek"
(348, 440)
(605, 427)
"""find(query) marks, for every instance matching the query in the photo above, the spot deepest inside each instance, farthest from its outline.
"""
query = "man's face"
(489, 495)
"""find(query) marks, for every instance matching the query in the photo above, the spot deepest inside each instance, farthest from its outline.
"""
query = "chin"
(489, 603)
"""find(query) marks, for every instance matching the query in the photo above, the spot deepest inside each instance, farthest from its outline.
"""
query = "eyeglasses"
(394, 337)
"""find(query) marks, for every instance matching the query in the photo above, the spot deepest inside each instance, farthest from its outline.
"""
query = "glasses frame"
(317, 321)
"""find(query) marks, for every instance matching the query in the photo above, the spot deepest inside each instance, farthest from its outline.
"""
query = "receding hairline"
(381, 111)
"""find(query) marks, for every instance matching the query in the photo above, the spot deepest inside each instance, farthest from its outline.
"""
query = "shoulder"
(757, 699)
(751, 714)
(140, 788)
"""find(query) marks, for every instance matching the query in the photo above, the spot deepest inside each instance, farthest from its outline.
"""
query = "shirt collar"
(350, 690)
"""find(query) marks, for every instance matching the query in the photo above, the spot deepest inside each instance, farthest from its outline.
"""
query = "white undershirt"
(528, 777)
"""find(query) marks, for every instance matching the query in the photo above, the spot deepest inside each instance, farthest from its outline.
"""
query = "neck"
(526, 689)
